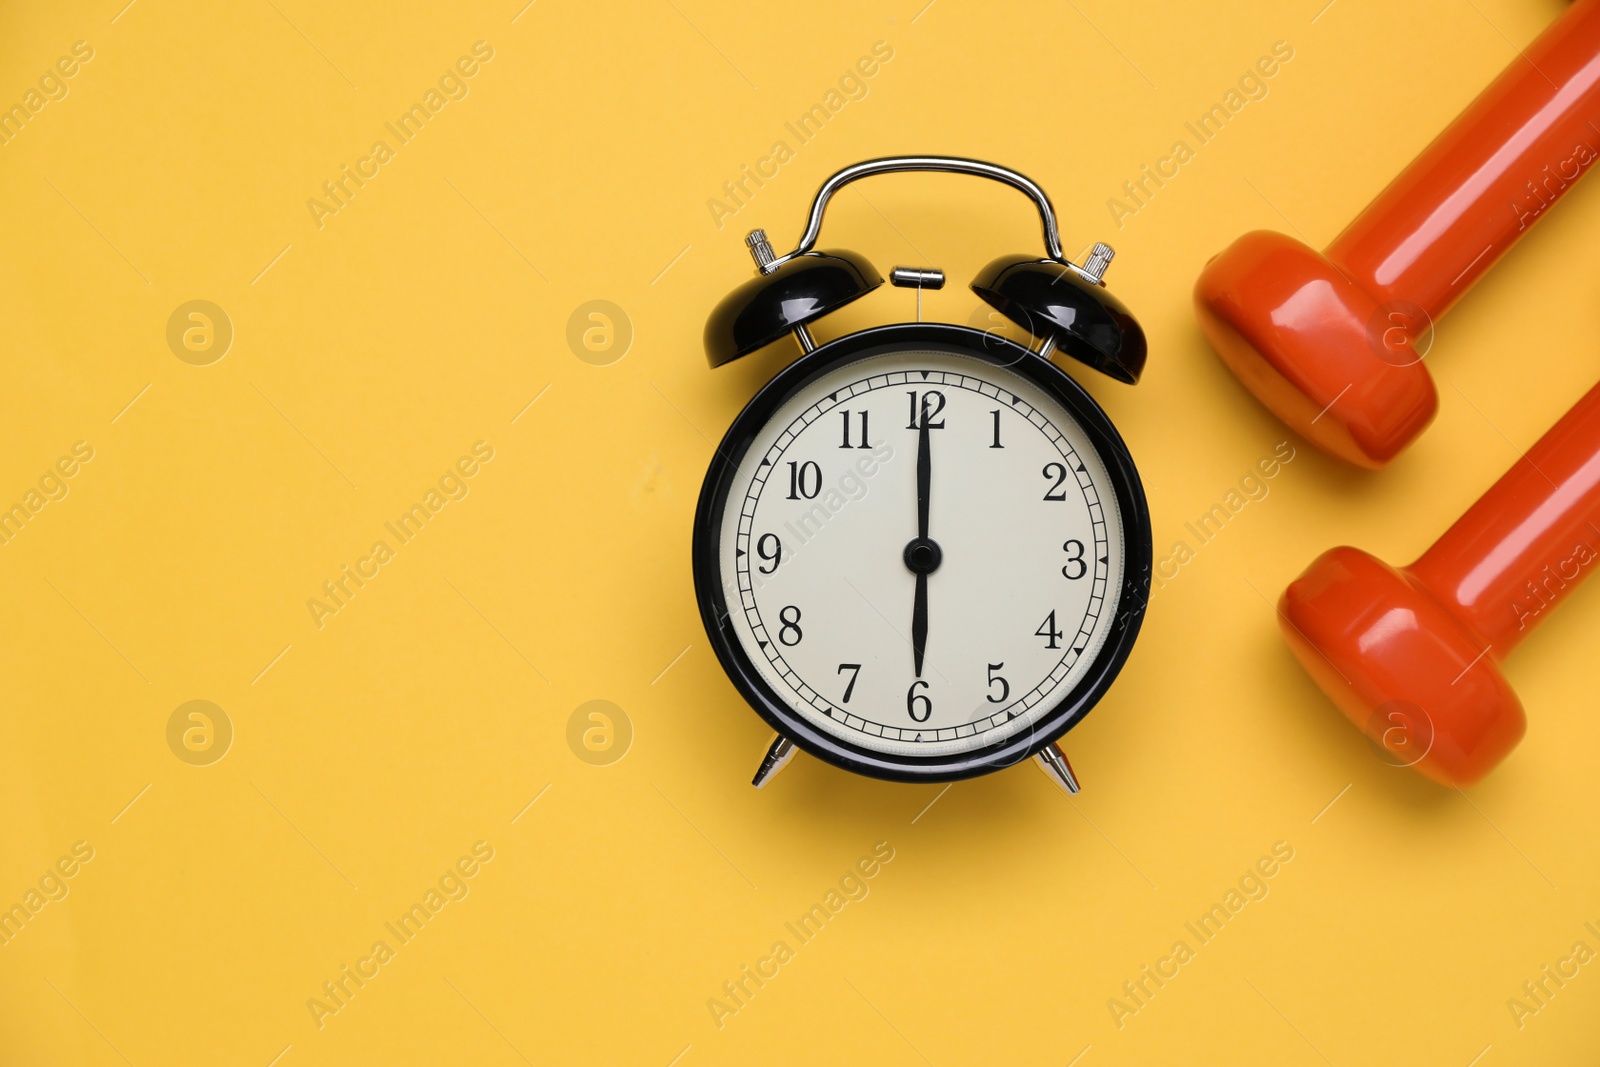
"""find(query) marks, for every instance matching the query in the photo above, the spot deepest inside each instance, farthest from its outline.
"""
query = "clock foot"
(781, 752)
(1055, 764)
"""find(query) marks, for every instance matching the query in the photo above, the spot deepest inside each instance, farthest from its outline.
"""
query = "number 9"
(774, 557)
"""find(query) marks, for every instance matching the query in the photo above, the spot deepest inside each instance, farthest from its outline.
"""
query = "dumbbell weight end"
(1401, 667)
(1411, 655)
(1332, 343)
(1315, 347)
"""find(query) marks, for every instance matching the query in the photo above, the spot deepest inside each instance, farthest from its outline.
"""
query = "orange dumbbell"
(1333, 342)
(1411, 655)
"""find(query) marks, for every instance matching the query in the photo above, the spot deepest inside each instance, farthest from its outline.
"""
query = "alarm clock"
(922, 550)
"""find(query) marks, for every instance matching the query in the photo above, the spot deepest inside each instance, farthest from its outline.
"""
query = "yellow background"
(425, 716)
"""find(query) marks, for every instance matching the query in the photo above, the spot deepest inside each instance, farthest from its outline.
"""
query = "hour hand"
(919, 622)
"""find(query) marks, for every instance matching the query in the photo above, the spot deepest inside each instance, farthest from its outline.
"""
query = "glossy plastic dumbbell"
(1411, 655)
(1332, 343)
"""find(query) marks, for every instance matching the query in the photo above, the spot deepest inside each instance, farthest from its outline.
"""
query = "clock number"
(793, 625)
(932, 404)
(844, 417)
(855, 672)
(1058, 471)
(1074, 551)
(1048, 631)
(773, 557)
(1005, 686)
(996, 413)
(802, 475)
(914, 699)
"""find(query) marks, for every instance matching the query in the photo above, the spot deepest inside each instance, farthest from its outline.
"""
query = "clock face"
(921, 552)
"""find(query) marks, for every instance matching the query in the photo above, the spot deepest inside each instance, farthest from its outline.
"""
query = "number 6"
(912, 697)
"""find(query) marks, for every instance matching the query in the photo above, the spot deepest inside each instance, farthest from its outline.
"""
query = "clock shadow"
(1011, 805)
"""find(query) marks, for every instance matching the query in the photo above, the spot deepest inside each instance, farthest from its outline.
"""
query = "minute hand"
(924, 478)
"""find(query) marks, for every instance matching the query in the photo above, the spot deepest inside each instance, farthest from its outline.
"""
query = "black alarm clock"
(922, 551)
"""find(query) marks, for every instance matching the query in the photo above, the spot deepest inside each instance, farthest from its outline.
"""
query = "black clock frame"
(997, 351)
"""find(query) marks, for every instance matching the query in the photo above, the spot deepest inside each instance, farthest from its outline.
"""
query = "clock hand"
(924, 474)
(919, 622)
(919, 609)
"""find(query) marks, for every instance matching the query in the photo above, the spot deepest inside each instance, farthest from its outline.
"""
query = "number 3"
(1074, 551)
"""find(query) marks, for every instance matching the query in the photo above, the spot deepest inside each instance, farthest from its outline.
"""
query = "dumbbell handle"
(1474, 191)
(1529, 540)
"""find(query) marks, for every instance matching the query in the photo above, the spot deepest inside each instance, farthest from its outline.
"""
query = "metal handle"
(949, 164)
